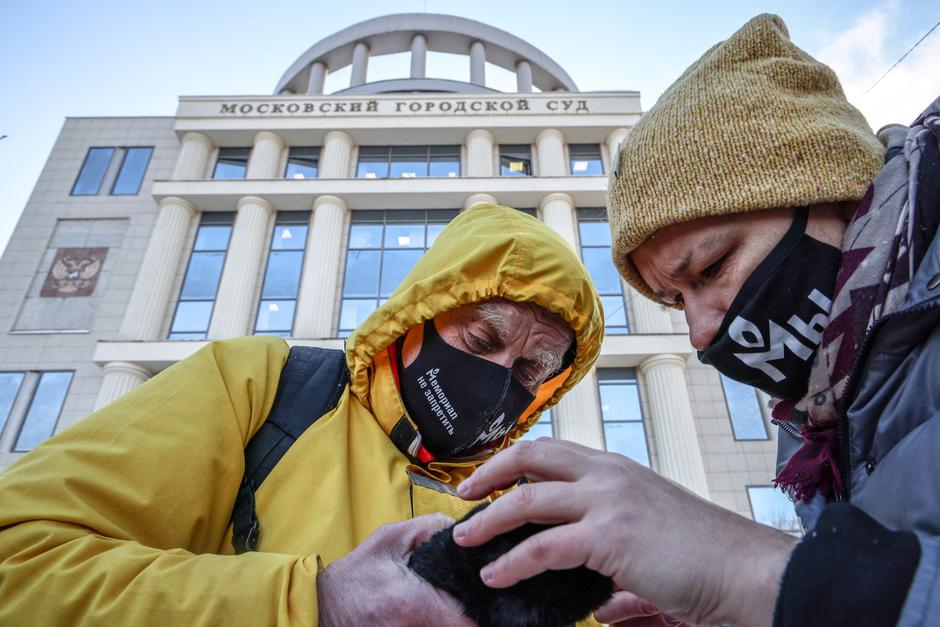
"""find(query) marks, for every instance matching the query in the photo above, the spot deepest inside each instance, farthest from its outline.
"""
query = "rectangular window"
(232, 163)
(407, 162)
(132, 171)
(44, 410)
(747, 420)
(544, 428)
(773, 508)
(92, 173)
(624, 431)
(282, 276)
(515, 160)
(201, 282)
(594, 234)
(302, 163)
(10, 383)
(585, 160)
(383, 247)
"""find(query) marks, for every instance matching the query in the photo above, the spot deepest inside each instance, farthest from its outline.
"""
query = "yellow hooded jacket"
(123, 519)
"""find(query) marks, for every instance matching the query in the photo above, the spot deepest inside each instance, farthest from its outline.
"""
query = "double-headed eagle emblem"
(74, 272)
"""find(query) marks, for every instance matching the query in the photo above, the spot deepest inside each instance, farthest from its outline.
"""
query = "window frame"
(573, 148)
(104, 173)
(28, 407)
(429, 156)
(796, 531)
(529, 159)
(622, 376)
(207, 219)
(290, 152)
(429, 218)
(117, 177)
(218, 156)
(599, 215)
(283, 219)
(757, 406)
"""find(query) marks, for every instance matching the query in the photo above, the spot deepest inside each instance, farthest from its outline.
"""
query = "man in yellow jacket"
(124, 519)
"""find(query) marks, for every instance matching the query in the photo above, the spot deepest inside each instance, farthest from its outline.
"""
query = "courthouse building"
(296, 214)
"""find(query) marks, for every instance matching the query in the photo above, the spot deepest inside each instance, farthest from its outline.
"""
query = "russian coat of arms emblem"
(74, 272)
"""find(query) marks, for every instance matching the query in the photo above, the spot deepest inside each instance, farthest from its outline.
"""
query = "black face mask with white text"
(461, 403)
(770, 334)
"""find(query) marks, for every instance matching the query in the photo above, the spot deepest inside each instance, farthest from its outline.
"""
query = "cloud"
(859, 57)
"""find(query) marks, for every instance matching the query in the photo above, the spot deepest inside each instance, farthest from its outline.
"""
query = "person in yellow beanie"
(803, 252)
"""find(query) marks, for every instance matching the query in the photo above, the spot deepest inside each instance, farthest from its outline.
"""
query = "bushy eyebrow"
(545, 360)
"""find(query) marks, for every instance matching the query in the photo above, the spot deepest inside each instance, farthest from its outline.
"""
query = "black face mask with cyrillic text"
(769, 336)
(461, 403)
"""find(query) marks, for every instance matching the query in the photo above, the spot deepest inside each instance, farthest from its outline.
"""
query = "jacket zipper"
(789, 428)
(845, 452)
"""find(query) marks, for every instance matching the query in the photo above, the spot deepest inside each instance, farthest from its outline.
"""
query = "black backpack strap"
(310, 385)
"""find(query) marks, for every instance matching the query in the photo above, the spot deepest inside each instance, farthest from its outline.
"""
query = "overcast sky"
(124, 57)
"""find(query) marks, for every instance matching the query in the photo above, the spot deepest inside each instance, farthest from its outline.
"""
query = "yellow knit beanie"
(756, 123)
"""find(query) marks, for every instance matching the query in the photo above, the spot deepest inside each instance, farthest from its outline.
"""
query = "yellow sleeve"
(115, 520)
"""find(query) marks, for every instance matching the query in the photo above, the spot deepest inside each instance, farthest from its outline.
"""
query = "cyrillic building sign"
(406, 107)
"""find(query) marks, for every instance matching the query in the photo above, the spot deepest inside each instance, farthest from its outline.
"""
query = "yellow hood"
(485, 252)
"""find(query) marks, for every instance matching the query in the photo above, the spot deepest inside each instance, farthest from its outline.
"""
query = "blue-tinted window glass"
(771, 507)
(202, 276)
(624, 431)
(594, 236)
(408, 162)
(232, 163)
(744, 409)
(201, 282)
(404, 236)
(373, 162)
(362, 273)
(92, 173)
(594, 233)
(444, 166)
(544, 428)
(515, 160)
(44, 410)
(396, 264)
(9, 388)
(383, 248)
(276, 317)
(132, 171)
(191, 319)
(586, 160)
(302, 163)
(282, 275)
(289, 237)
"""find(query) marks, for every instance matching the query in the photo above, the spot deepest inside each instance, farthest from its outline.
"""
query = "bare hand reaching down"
(373, 585)
(687, 557)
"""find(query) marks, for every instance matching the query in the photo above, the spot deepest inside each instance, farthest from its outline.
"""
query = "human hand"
(691, 559)
(626, 609)
(373, 585)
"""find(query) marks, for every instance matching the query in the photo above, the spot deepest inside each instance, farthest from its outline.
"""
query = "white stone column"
(232, 310)
(648, 316)
(551, 146)
(677, 449)
(478, 199)
(143, 317)
(316, 79)
(478, 63)
(559, 215)
(334, 159)
(193, 158)
(578, 415)
(120, 377)
(360, 64)
(265, 156)
(613, 145)
(317, 295)
(479, 144)
(523, 77)
(419, 56)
